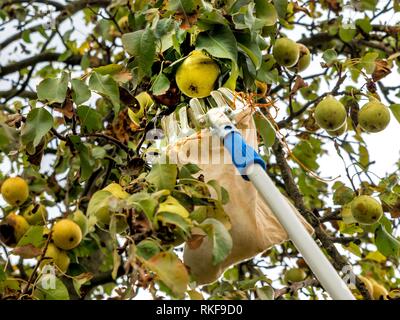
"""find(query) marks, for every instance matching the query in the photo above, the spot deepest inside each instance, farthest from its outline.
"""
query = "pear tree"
(85, 86)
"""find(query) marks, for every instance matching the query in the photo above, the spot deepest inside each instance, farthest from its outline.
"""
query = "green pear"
(286, 52)
(374, 116)
(366, 210)
(304, 59)
(330, 114)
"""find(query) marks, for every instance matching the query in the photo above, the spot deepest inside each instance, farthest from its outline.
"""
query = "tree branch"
(42, 57)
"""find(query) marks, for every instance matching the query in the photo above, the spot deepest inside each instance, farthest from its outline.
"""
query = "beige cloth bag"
(254, 227)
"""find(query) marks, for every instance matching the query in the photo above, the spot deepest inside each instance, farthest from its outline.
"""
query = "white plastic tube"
(305, 244)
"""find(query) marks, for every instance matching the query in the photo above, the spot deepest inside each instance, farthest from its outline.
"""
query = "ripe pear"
(35, 214)
(56, 256)
(286, 52)
(145, 101)
(197, 75)
(338, 132)
(374, 116)
(12, 229)
(379, 291)
(304, 59)
(66, 234)
(15, 191)
(330, 114)
(295, 275)
(366, 210)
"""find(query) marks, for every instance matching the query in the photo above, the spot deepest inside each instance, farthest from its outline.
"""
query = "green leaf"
(106, 86)
(220, 237)
(266, 12)
(85, 157)
(395, 108)
(109, 69)
(329, 56)
(143, 201)
(163, 176)
(90, 119)
(50, 288)
(160, 85)
(347, 34)
(250, 48)
(147, 248)
(221, 192)
(364, 156)
(219, 42)
(171, 271)
(265, 293)
(186, 6)
(80, 280)
(343, 195)
(99, 202)
(368, 61)
(174, 219)
(38, 122)
(142, 45)
(80, 91)
(3, 275)
(281, 7)
(53, 90)
(265, 129)
(388, 245)
(33, 236)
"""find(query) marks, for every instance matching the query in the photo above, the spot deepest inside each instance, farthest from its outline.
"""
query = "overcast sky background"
(384, 147)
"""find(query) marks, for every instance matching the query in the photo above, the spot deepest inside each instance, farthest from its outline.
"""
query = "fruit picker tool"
(219, 116)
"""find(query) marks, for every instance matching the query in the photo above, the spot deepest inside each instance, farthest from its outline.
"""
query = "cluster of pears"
(15, 192)
(331, 115)
(362, 209)
(197, 75)
(291, 54)
(376, 290)
(66, 234)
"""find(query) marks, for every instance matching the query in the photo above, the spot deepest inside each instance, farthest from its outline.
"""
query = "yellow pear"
(35, 214)
(295, 275)
(56, 256)
(286, 52)
(366, 210)
(374, 116)
(66, 234)
(330, 114)
(197, 75)
(12, 229)
(15, 191)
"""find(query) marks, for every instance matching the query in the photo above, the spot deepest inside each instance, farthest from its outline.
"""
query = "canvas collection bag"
(254, 228)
